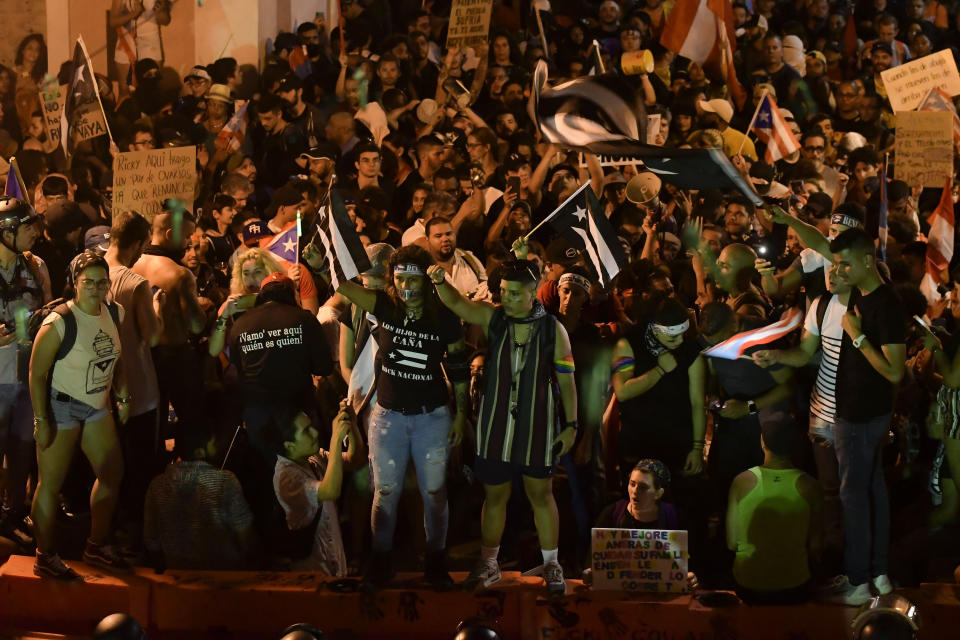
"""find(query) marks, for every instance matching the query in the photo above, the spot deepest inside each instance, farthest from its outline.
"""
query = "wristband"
(123, 400)
(859, 340)
(660, 370)
(752, 407)
(571, 423)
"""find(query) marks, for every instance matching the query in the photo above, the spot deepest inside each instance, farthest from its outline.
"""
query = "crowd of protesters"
(508, 385)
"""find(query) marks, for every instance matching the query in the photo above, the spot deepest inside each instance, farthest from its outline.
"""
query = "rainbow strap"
(564, 364)
(622, 364)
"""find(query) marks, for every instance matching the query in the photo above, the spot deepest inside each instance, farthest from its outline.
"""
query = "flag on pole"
(15, 186)
(939, 100)
(83, 116)
(232, 134)
(285, 246)
(361, 389)
(883, 211)
(939, 243)
(771, 128)
(300, 62)
(582, 222)
(587, 110)
(735, 346)
(702, 30)
(341, 244)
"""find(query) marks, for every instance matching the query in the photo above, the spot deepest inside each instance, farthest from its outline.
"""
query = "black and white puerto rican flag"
(588, 110)
(581, 221)
(337, 235)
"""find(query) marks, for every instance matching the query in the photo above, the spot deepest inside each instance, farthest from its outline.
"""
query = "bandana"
(654, 346)
(537, 312)
(409, 267)
(671, 330)
(847, 221)
(577, 279)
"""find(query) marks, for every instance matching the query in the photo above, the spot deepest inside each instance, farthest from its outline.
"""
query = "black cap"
(883, 47)
(290, 82)
(819, 205)
(323, 151)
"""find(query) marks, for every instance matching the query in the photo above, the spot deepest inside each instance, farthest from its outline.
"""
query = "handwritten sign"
(142, 180)
(469, 22)
(51, 104)
(908, 84)
(639, 560)
(923, 149)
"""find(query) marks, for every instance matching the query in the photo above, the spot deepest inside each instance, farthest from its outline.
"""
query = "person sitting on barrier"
(774, 521)
(195, 514)
(307, 483)
(642, 508)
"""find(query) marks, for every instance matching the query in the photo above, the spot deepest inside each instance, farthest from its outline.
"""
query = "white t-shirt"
(811, 260)
(86, 373)
(823, 398)
(296, 490)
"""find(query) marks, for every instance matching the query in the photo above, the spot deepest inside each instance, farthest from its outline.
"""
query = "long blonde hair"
(263, 257)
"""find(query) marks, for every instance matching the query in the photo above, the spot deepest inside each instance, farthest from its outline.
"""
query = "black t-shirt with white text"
(278, 348)
(410, 354)
(862, 393)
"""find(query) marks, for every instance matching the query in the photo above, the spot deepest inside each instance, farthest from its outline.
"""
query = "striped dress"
(517, 424)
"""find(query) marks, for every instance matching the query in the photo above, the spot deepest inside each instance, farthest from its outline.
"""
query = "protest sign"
(908, 84)
(469, 22)
(639, 560)
(142, 180)
(51, 104)
(923, 148)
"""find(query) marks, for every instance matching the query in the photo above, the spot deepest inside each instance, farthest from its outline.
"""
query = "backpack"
(61, 308)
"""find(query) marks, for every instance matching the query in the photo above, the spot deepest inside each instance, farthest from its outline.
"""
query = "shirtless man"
(178, 370)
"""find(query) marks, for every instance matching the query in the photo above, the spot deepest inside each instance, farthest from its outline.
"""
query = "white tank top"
(86, 373)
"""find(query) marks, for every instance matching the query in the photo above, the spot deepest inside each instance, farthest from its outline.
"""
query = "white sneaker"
(483, 575)
(882, 584)
(852, 595)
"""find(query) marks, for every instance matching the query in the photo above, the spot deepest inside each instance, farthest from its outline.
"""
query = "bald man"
(734, 274)
(178, 369)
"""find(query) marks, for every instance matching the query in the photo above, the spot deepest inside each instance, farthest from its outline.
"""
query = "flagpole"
(557, 210)
(96, 88)
(756, 111)
(596, 50)
(543, 35)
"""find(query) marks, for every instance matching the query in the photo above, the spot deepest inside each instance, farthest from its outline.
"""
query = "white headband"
(576, 279)
(673, 329)
(409, 267)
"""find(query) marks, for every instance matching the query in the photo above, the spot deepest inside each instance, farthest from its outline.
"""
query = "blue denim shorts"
(70, 413)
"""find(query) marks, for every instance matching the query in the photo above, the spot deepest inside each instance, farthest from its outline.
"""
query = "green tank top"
(773, 523)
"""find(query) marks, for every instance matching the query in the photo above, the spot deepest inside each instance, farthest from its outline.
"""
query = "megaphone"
(644, 189)
(637, 62)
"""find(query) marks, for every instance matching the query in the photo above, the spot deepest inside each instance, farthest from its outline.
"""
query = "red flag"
(939, 243)
(702, 30)
(850, 41)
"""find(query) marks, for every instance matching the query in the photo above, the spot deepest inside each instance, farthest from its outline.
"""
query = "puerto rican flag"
(734, 347)
(771, 128)
(231, 136)
(285, 246)
(702, 30)
(939, 100)
(939, 243)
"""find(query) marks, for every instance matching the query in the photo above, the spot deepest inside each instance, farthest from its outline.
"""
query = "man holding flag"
(871, 365)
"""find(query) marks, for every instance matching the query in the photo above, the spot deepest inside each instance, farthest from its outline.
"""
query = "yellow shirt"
(732, 139)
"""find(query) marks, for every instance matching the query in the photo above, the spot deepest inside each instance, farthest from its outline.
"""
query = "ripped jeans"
(394, 439)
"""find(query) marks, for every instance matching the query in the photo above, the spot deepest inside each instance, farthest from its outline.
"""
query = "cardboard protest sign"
(142, 180)
(639, 560)
(469, 22)
(908, 84)
(923, 148)
(51, 104)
